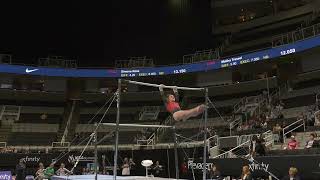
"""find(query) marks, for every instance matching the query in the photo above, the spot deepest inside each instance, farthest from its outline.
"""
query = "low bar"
(137, 125)
(169, 87)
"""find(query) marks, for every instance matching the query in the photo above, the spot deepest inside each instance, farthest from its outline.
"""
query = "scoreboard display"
(160, 71)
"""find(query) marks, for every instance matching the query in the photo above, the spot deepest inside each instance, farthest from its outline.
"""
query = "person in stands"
(214, 173)
(172, 105)
(311, 142)
(49, 171)
(40, 172)
(260, 146)
(62, 171)
(277, 130)
(246, 174)
(292, 144)
(252, 146)
(157, 169)
(125, 167)
(293, 174)
(317, 118)
(184, 169)
(84, 172)
(21, 170)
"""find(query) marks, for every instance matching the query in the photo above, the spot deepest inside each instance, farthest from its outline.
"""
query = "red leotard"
(173, 107)
(292, 145)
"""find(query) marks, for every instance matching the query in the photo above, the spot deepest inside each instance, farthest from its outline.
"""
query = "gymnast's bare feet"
(202, 108)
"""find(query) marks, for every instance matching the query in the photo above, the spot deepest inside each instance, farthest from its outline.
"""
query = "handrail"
(241, 104)
(3, 144)
(290, 125)
(60, 145)
(234, 123)
(151, 139)
(244, 137)
(11, 110)
(66, 130)
(269, 136)
(57, 145)
(149, 109)
(2, 111)
(317, 100)
(249, 136)
(145, 142)
(230, 151)
(237, 106)
(292, 33)
(217, 140)
(261, 101)
(316, 114)
(5, 58)
(154, 136)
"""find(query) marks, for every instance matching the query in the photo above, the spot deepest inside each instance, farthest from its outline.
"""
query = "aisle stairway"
(8, 115)
(71, 118)
(5, 131)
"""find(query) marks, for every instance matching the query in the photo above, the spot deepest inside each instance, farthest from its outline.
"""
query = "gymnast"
(172, 106)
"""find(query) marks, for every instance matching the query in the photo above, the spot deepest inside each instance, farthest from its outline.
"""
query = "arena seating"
(31, 138)
(36, 118)
(297, 99)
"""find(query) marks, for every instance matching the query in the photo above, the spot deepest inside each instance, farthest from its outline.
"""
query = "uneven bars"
(137, 125)
(169, 87)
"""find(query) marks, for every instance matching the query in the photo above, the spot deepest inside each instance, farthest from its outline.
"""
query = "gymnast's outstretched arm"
(163, 96)
(176, 94)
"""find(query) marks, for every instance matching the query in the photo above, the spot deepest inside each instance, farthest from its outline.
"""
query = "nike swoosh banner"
(204, 66)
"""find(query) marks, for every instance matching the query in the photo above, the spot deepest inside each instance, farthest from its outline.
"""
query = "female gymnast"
(172, 106)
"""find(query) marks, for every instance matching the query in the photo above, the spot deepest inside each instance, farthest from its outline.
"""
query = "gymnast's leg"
(183, 115)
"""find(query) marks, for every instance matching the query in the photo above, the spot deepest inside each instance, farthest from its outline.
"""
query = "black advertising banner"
(33, 159)
(308, 166)
(12, 159)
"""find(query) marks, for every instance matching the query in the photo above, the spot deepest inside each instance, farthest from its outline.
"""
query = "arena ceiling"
(97, 33)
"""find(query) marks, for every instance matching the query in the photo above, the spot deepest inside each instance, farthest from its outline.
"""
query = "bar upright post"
(176, 159)
(205, 137)
(117, 132)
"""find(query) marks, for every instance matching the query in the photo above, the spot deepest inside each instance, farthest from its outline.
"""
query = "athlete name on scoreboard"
(129, 73)
(231, 61)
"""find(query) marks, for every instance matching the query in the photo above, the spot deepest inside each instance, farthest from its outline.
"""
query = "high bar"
(169, 87)
(137, 125)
